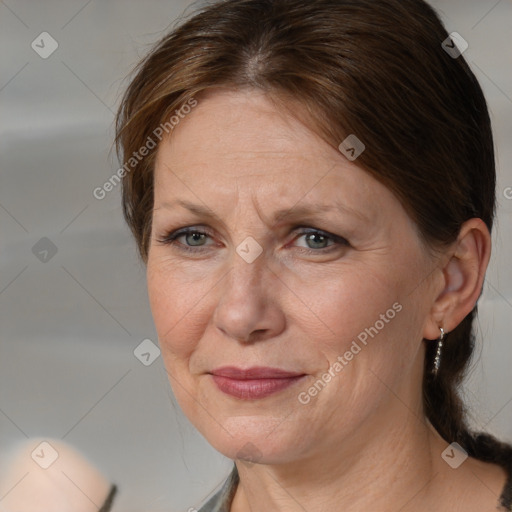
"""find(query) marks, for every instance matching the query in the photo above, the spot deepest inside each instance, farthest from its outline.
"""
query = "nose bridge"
(243, 307)
(248, 267)
(249, 233)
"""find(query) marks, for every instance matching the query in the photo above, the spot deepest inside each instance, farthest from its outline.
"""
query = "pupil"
(312, 235)
(196, 236)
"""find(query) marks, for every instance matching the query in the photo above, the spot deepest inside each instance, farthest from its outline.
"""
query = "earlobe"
(463, 278)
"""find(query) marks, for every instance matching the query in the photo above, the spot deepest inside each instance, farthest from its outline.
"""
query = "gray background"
(69, 325)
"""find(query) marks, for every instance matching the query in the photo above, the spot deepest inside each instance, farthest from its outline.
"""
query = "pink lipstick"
(253, 383)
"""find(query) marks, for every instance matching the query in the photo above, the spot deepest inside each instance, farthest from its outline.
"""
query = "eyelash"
(170, 239)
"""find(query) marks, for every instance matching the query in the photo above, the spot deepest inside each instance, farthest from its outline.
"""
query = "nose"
(249, 306)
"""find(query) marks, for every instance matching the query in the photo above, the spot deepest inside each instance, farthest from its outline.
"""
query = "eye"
(316, 240)
(195, 240)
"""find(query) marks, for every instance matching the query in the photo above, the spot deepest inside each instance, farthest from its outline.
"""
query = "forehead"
(242, 124)
(240, 141)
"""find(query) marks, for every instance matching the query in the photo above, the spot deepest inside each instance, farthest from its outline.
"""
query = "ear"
(463, 276)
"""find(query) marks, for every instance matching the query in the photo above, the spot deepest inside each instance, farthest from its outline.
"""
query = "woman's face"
(299, 266)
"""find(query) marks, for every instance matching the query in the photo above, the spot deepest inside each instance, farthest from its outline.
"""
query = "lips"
(253, 383)
(256, 372)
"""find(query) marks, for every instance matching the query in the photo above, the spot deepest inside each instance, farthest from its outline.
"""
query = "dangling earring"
(437, 359)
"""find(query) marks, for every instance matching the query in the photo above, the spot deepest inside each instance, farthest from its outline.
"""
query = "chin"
(253, 439)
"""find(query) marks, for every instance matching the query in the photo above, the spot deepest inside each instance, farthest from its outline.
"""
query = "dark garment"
(107, 506)
(221, 501)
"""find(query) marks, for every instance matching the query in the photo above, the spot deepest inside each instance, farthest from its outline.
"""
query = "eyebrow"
(294, 212)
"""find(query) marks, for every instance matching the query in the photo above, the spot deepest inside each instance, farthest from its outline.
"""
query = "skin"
(362, 443)
(70, 482)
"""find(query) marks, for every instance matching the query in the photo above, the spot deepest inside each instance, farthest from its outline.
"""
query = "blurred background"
(73, 302)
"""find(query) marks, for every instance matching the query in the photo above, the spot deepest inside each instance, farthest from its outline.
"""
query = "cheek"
(353, 306)
(371, 325)
(373, 349)
(175, 305)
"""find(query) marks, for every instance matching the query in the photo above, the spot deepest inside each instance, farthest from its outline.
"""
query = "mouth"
(253, 383)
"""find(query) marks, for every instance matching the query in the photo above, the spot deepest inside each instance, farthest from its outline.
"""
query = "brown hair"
(373, 68)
